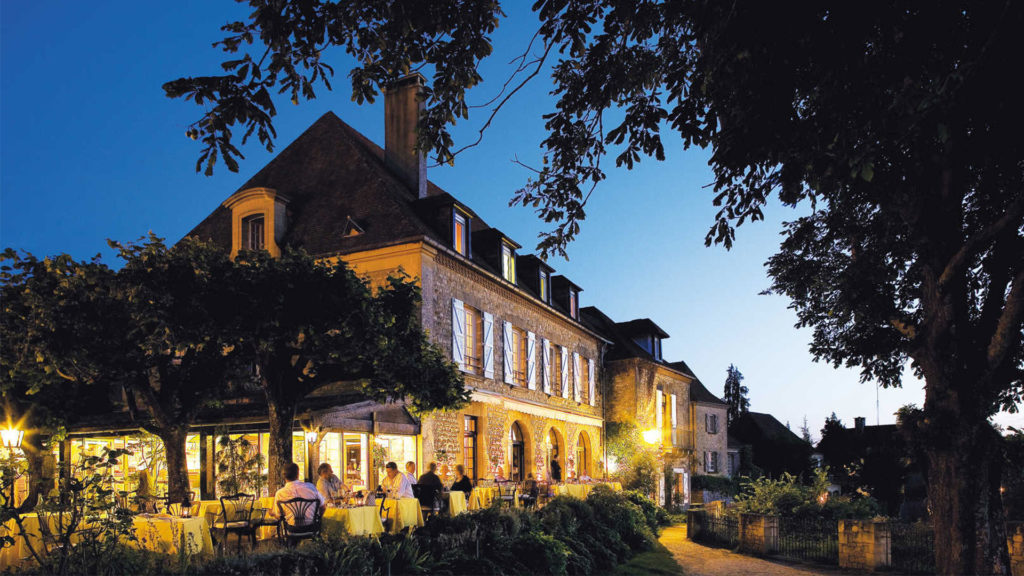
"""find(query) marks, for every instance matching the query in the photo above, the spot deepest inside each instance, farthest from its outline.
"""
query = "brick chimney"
(858, 423)
(402, 111)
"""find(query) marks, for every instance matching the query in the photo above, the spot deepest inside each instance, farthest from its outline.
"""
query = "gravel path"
(698, 560)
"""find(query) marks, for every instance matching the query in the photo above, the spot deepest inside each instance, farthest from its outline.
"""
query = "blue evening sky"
(91, 149)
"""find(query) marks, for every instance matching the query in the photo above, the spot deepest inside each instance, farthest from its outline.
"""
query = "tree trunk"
(177, 462)
(963, 491)
(282, 420)
(32, 448)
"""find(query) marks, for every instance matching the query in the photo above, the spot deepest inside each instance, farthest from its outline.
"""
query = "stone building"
(510, 323)
(656, 395)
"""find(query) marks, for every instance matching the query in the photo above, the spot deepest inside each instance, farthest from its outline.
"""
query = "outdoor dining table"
(403, 513)
(18, 553)
(484, 496)
(456, 502)
(356, 521)
(172, 534)
(580, 491)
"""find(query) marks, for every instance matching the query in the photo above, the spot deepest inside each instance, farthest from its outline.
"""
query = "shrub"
(623, 520)
(717, 484)
(656, 515)
(787, 497)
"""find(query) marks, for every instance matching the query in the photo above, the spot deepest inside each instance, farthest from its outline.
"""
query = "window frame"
(474, 336)
(460, 218)
(247, 234)
(545, 286)
(470, 442)
(574, 304)
(519, 357)
(508, 262)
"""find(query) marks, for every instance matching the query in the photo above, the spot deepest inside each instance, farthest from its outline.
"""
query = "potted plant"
(239, 466)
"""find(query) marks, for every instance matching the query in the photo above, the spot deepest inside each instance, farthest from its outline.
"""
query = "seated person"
(462, 482)
(410, 472)
(396, 485)
(530, 486)
(430, 478)
(329, 485)
(294, 488)
(499, 476)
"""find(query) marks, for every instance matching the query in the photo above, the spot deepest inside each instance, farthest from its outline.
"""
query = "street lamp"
(11, 438)
(652, 436)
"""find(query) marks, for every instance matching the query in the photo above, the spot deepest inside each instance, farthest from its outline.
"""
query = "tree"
(735, 395)
(805, 432)
(889, 121)
(310, 324)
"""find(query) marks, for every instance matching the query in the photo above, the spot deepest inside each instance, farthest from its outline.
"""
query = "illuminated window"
(460, 233)
(519, 356)
(545, 286)
(508, 263)
(469, 446)
(574, 304)
(584, 382)
(252, 232)
(556, 368)
(474, 340)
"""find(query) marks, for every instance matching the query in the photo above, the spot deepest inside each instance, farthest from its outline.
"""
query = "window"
(556, 368)
(460, 233)
(732, 463)
(584, 381)
(711, 462)
(657, 348)
(252, 232)
(711, 423)
(474, 340)
(519, 356)
(469, 446)
(545, 286)
(574, 304)
(508, 263)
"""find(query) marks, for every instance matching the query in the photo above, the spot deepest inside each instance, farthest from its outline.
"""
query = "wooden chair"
(235, 518)
(303, 525)
(429, 497)
(507, 493)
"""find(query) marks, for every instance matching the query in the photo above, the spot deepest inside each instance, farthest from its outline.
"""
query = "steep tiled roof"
(332, 173)
(622, 345)
(642, 326)
(768, 426)
(698, 393)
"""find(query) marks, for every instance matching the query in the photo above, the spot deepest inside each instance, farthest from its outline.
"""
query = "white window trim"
(659, 400)
(459, 334)
(593, 386)
(565, 372)
(488, 345)
(531, 360)
(509, 377)
(577, 393)
(546, 361)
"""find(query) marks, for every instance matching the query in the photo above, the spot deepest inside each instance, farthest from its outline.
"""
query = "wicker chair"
(302, 525)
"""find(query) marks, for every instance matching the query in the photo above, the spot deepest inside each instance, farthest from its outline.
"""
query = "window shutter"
(659, 419)
(565, 372)
(459, 333)
(707, 461)
(488, 345)
(531, 360)
(707, 423)
(507, 349)
(593, 386)
(577, 393)
(672, 403)
(546, 360)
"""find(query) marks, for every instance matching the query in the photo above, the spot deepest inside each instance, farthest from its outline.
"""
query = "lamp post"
(11, 438)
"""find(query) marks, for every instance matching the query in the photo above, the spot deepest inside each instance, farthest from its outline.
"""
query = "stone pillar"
(1015, 542)
(759, 534)
(694, 523)
(864, 545)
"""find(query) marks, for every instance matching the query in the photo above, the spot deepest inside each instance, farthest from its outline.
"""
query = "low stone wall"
(759, 534)
(1015, 542)
(694, 523)
(864, 545)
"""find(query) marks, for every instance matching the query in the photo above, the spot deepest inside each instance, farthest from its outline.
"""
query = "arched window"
(553, 446)
(583, 455)
(518, 472)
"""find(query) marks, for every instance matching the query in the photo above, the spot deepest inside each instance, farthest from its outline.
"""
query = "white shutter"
(590, 379)
(672, 401)
(507, 348)
(658, 413)
(565, 372)
(577, 392)
(531, 360)
(546, 360)
(459, 333)
(488, 345)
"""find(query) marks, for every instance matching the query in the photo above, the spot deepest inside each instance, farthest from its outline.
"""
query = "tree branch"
(976, 243)
(1008, 328)
(906, 329)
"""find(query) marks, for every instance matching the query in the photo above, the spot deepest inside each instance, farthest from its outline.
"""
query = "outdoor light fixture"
(652, 436)
(311, 436)
(11, 437)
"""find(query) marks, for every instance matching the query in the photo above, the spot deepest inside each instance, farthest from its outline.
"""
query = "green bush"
(788, 497)
(718, 484)
(656, 515)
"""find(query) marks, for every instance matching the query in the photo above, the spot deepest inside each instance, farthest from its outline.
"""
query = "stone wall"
(1015, 542)
(759, 534)
(864, 545)
(711, 442)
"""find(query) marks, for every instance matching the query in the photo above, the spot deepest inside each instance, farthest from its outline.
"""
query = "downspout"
(604, 410)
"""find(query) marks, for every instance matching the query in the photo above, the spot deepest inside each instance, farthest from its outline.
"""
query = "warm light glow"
(311, 437)
(11, 436)
(613, 465)
(652, 436)
(823, 498)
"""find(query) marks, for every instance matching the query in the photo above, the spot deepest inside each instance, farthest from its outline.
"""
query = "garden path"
(698, 560)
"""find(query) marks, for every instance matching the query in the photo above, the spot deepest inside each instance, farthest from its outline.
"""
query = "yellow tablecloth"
(170, 535)
(403, 513)
(210, 509)
(616, 486)
(580, 491)
(482, 496)
(359, 521)
(456, 502)
(17, 554)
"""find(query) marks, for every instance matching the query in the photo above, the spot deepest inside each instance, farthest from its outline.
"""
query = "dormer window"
(460, 233)
(656, 351)
(574, 304)
(545, 286)
(253, 232)
(508, 263)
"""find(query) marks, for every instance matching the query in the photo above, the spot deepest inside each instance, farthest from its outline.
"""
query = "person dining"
(295, 488)
(462, 482)
(430, 478)
(329, 485)
(499, 476)
(410, 472)
(396, 485)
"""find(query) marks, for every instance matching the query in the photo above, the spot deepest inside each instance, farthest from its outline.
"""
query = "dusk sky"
(90, 149)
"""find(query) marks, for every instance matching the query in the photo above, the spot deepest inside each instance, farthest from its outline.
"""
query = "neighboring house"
(775, 448)
(712, 435)
(509, 323)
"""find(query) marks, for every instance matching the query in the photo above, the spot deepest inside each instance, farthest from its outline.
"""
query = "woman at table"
(329, 485)
(462, 482)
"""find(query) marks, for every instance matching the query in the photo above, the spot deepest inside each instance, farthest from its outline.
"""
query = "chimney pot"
(858, 423)
(402, 111)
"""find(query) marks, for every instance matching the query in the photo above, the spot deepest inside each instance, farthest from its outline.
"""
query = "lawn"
(656, 562)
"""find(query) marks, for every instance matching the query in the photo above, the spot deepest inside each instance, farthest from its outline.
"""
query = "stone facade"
(864, 545)
(1015, 542)
(708, 442)
(759, 534)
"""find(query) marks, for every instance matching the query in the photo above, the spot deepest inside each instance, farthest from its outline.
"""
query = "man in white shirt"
(396, 485)
(410, 472)
(293, 488)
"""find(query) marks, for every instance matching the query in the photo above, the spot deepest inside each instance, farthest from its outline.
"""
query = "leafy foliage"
(735, 394)
(636, 460)
(786, 496)
(718, 484)
(239, 466)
